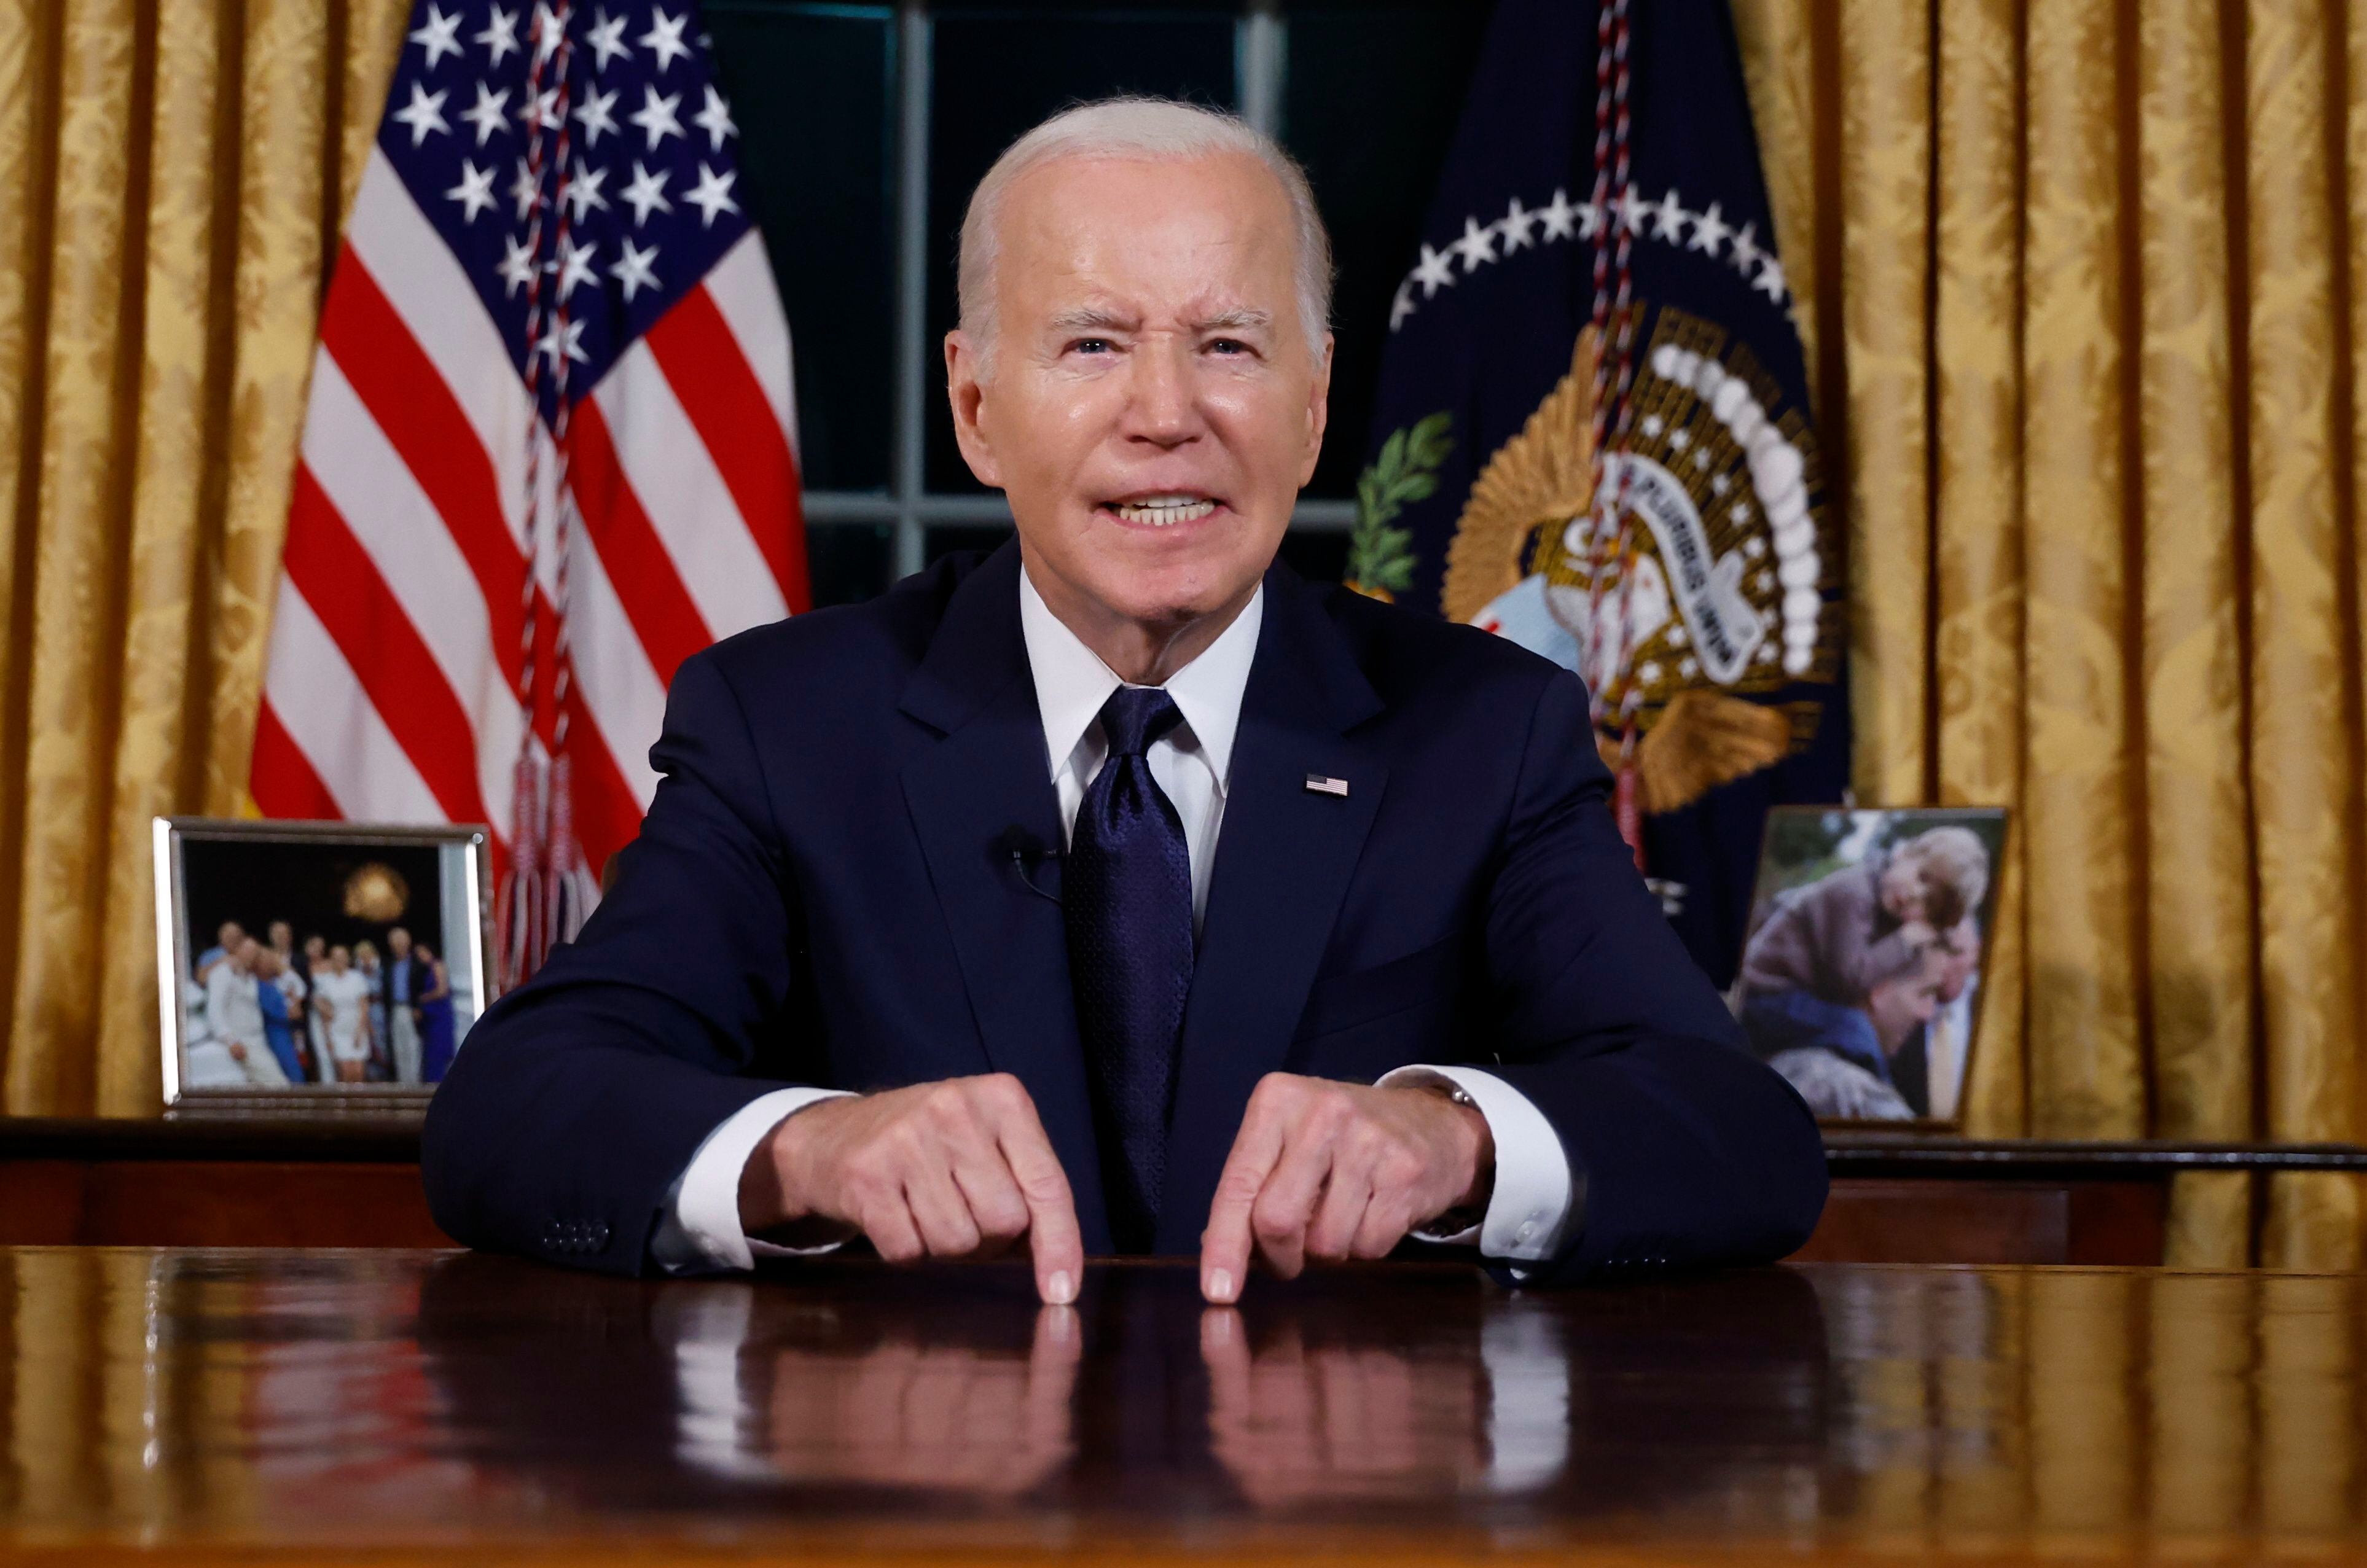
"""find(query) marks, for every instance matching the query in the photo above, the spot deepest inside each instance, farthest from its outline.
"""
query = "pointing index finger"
(1052, 1234)
(1225, 1245)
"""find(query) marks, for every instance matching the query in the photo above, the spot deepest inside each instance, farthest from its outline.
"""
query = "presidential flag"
(548, 453)
(1593, 434)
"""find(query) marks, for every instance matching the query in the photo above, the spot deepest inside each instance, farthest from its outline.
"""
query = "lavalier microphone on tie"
(1025, 851)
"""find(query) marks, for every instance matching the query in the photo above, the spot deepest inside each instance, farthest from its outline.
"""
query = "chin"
(1171, 593)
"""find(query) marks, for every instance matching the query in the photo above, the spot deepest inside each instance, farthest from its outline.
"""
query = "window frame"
(1260, 54)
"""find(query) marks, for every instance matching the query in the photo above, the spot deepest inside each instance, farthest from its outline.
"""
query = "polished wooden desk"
(249, 1406)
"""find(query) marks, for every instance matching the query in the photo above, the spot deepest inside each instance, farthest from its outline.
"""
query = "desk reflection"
(792, 1396)
(951, 1389)
(307, 1400)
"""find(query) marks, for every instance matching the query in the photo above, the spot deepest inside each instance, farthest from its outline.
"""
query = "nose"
(1164, 411)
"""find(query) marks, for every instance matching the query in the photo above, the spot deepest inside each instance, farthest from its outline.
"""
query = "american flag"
(550, 450)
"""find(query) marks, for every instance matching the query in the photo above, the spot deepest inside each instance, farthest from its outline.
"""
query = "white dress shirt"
(1532, 1200)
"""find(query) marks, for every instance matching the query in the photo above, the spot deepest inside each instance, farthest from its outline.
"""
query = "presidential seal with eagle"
(1683, 576)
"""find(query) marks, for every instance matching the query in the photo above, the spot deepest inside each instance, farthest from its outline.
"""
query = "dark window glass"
(850, 561)
(812, 88)
(946, 539)
(1369, 106)
(1317, 556)
(1000, 70)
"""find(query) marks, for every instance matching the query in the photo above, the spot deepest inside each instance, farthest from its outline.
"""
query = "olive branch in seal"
(1380, 558)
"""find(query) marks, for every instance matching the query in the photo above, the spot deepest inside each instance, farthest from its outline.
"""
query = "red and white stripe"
(392, 689)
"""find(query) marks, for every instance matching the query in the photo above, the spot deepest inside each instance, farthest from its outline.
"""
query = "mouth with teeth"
(1161, 510)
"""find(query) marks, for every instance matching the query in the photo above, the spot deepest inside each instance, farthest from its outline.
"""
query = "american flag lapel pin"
(1322, 783)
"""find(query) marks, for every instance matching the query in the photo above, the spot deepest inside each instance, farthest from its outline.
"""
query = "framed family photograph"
(320, 967)
(1860, 978)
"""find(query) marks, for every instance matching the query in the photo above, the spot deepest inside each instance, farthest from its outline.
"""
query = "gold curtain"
(171, 176)
(2082, 282)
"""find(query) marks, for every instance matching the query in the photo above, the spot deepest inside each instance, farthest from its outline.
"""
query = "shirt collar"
(1071, 682)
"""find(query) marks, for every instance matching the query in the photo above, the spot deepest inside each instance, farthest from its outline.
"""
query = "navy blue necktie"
(1126, 892)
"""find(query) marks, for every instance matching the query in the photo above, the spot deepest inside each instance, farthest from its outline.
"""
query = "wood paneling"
(1927, 1220)
(213, 1203)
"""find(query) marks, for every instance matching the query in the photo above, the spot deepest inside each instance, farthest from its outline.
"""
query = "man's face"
(281, 937)
(1898, 1004)
(1149, 348)
(230, 936)
(1958, 960)
(398, 941)
(245, 956)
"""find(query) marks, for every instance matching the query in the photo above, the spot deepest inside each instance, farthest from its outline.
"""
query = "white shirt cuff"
(1534, 1199)
(701, 1225)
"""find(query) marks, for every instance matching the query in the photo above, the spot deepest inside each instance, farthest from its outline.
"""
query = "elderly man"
(1119, 890)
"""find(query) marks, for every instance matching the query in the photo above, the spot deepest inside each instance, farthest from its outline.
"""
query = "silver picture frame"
(1872, 1013)
(226, 854)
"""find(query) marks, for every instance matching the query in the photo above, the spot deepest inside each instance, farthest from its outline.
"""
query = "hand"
(237, 1052)
(1324, 1169)
(957, 1168)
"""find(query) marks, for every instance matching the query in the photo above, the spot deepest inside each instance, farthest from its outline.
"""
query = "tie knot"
(1135, 717)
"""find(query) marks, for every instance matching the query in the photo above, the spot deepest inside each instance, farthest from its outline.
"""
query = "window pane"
(945, 538)
(850, 561)
(1370, 104)
(1318, 557)
(997, 71)
(812, 88)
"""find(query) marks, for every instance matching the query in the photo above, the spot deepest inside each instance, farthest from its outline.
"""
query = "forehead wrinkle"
(1085, 318)
(1237, 319)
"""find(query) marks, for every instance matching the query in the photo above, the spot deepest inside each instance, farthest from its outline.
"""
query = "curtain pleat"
(1886, 136)
(2198, 972)
(78, 597)
(1777, 45)
(2304, 785)
(175, 482)
(26, 104)
(2085, 1058)
(1977, 634)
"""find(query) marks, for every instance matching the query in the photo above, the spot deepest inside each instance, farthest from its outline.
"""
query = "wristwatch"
(1456, 1223)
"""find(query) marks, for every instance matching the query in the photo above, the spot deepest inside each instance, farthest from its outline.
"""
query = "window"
(865, 128)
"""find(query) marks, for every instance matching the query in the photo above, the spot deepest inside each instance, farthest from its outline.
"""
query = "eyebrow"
(1234, 321)
(1088, 319)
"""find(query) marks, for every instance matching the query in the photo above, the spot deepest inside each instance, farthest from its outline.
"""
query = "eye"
(1228, 346)
(1090, 346)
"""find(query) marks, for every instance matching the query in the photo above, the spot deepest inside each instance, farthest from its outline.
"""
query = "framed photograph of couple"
(317, 967)
(1861, 979)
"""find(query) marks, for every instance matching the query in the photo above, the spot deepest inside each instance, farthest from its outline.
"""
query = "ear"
(966, 392)
(1319, 411)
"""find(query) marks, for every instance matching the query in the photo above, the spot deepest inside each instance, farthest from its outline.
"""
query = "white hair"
(1147, 129)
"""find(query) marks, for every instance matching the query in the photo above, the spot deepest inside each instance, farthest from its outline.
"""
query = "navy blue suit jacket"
(826, 892)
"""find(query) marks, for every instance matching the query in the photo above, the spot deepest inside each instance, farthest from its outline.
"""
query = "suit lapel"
(1284, 857)
(984, 777)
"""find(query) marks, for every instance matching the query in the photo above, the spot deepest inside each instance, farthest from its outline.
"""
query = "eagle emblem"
(1718, 596)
